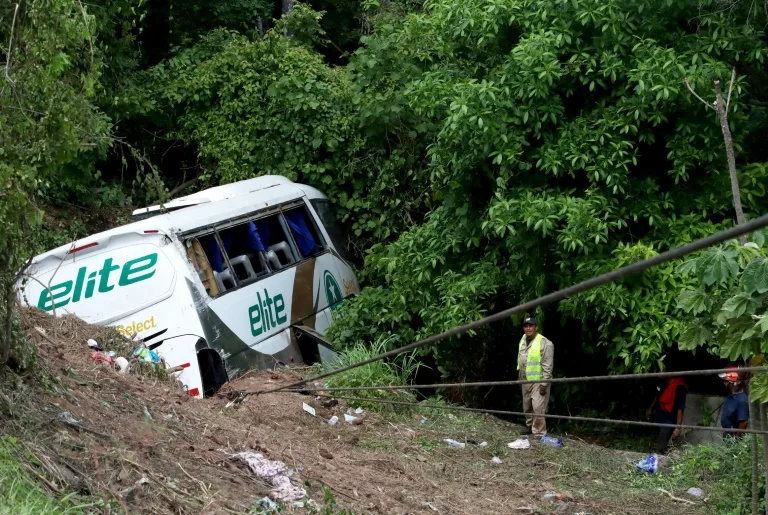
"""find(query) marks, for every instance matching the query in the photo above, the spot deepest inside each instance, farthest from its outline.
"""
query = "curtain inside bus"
(301, 234)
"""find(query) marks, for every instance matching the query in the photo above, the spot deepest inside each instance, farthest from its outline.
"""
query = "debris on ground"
(454, 443)
(333, 420)
(309, 409)
(520, 443)
(349, 419)
(649, 464)
(181, 460)
(496, 460)
(551, 441)
(695, 492)
(274, 472)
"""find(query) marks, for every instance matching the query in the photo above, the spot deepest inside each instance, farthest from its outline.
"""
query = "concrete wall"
(702, 410)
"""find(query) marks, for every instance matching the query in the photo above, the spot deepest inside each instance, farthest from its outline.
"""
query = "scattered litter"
(267, 504)
(129, 494)
(99, 357)
(550, 440)
(496, 460)
(359, 411)
(520, 443)
(424, 420)
(331, 403)
(454, 443)
(112, 354)
(452, 416)
(284, 491)
(483, 444)
(40, 330)
(147, 413)
(695, 492)
(144, 354)
(121, 364)
(91, 343)
(67, 418)
(431, 506)
(349, 419)
(168, 416)
(552, 497)
(648, 464)
(309, 409)
(274, 472)
(332, 421)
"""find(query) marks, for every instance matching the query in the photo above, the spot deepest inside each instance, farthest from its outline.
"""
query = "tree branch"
(10, 47)
(688, 85)
(730, 89)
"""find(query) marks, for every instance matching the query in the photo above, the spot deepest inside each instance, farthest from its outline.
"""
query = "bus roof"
(198, 210)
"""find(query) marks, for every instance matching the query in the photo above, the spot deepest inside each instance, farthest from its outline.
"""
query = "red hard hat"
(731, 377)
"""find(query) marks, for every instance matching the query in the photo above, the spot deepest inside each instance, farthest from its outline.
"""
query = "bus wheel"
(212, 371)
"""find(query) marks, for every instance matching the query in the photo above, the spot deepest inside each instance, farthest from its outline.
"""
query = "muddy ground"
(126, 430)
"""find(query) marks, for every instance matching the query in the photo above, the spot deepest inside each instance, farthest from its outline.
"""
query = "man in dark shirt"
(668, 407)
(735, 413)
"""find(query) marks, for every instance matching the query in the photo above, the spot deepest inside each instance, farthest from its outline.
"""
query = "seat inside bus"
(259, 247)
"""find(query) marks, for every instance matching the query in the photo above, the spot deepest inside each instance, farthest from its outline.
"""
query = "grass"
(395, 372)
(721, 469)
(19, 490)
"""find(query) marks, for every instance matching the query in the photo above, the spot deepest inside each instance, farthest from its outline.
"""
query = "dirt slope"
(391, 463)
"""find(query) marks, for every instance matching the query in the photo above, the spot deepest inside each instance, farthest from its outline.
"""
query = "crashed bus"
(232, 278)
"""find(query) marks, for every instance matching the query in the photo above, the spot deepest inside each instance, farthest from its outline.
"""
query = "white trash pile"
(275, 473)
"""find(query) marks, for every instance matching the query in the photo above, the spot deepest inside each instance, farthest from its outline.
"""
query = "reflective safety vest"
(533, 365)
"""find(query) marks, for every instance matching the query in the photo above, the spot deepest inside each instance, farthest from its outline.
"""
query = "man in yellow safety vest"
(535, 360)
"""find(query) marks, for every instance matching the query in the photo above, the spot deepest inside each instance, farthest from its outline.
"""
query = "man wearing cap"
(735, 413)
(535, 360)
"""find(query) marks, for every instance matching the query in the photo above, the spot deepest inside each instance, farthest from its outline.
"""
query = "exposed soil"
(391, 463)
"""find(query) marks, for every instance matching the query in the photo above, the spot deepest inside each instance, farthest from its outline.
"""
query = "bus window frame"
(279, 210)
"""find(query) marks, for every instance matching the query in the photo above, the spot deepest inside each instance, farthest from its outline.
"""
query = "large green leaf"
(739, 305)
(755, 276)
(694, 336)
(717, 265)
(693, 301)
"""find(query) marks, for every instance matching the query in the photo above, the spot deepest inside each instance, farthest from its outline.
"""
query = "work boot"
(526, 431)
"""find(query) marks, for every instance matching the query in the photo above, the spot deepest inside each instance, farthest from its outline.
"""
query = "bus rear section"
(133, 281)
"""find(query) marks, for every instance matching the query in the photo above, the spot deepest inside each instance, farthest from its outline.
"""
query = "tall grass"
(721, 469)
(395, 372)
(19, 491)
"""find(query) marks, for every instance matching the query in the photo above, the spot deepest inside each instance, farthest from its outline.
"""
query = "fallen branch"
(678, 499)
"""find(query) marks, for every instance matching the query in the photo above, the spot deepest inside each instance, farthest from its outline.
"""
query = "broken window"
(304, 231)
(327, 216)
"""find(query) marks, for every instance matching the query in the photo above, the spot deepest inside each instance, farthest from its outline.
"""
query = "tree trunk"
(722, 113)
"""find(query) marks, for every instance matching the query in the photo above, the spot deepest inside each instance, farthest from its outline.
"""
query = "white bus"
(236, 277)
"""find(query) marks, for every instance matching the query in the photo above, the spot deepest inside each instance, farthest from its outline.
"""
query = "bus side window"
(327, 216)
(224, 278)
(280, 251)
(199, 260)
(304, 232)
(246, 252)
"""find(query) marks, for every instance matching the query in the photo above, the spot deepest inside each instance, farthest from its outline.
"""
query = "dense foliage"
(480, 152)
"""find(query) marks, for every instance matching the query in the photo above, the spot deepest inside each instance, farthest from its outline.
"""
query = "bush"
(395, 372)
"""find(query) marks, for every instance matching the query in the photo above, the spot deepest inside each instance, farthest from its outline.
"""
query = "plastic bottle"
(550, 440)
(454, 443)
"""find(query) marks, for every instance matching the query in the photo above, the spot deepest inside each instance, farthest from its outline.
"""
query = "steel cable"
(557, 417)
(634, 268)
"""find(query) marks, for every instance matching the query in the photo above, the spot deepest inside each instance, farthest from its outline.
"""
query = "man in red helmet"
(735, 413)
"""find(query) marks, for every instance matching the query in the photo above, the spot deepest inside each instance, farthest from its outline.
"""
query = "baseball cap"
(529, 320)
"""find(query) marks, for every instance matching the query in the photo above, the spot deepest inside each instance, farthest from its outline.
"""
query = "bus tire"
(212, 371)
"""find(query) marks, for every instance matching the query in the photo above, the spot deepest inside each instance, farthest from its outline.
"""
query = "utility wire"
(634, 268)
(558, 417)
(531, 381)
